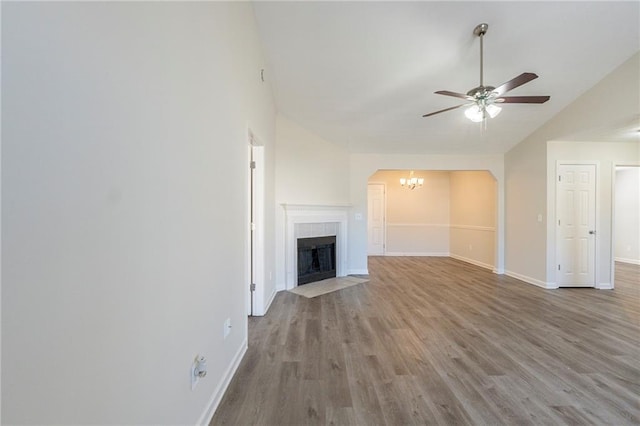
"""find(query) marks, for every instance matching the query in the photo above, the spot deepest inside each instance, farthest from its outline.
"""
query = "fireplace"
(310, 221)
(316, 259)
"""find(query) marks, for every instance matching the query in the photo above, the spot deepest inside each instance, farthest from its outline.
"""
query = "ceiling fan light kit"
(482, 99)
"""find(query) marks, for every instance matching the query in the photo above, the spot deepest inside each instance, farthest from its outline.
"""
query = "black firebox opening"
(316, 259)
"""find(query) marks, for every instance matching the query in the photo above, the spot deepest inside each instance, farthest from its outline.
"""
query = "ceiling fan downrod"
(480, 31)
(481, 92)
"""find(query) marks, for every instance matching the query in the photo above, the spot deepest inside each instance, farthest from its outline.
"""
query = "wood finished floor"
(438, 341)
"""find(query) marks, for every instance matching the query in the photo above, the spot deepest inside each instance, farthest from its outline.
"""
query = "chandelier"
(412, 182)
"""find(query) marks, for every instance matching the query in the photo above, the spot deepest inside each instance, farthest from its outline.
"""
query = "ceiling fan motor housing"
(481, 92)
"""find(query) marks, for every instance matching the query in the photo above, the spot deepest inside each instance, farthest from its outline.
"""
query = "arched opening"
(453, 213)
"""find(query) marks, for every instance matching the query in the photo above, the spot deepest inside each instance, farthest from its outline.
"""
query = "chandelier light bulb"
(493, 110)
(475, 113)
(411, 182)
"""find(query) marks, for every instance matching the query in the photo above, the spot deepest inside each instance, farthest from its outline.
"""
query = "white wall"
(627, 215)
(473, 217)
(417, 221)
(530, 244)
(309, 170)
(124, 190)
(364, 165)
(605, 155)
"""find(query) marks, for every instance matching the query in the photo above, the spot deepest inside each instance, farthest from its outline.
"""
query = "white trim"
(269, 301)
(311, 209)
(255, 250)
(443, 225)
(530, 280)
(296, 214)
(474, 228)
(247, 219)
(358, 272)
(625, 260)
(612, 250)
(472, 261)
(259, 228)
(431, 225)
(212, 406)
(604, 286)
(416, 254)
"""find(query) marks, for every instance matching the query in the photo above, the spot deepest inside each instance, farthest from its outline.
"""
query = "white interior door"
(576, 216)
(375, 219)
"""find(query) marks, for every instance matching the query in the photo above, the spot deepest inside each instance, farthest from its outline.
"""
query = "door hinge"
(558, 267)
(252, 165)
(559, 178)
(252, 287)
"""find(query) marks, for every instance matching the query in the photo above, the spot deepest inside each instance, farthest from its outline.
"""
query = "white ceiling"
(362, 74)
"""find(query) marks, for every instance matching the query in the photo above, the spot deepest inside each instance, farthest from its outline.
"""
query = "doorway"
(450, 213)
(625, 241)
(255, 263)
(576, 222)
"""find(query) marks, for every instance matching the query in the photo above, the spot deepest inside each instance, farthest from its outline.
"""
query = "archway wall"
(362, 166)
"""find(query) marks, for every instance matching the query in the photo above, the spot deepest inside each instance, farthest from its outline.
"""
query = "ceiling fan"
(483, 100)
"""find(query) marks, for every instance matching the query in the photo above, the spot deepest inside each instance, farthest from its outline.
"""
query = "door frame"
(255, 238)
(384, 207)
(596, 249)
(614, 166)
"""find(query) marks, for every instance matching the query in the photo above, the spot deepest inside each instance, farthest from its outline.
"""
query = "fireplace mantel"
(314, 220)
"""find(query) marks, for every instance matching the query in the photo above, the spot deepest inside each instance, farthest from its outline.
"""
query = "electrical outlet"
(227, 328)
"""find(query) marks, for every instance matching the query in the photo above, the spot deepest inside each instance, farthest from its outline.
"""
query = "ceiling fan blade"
(454, 94)
(444, 110)
(523, 78)
(523, 99)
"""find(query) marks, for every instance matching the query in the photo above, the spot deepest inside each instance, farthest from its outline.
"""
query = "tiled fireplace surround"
(307, 221)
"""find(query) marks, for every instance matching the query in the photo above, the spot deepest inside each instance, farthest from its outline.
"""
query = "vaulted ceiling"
(361, 74)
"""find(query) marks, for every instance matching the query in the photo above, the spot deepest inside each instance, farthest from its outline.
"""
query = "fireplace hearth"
(316, 259)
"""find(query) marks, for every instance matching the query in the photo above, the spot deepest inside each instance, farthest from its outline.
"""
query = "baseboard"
(472, 261)
(530, 280)
(358, 272)
(625, 260)
(208, 413)
(416, 254)
(269, 301)
(604, 286)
